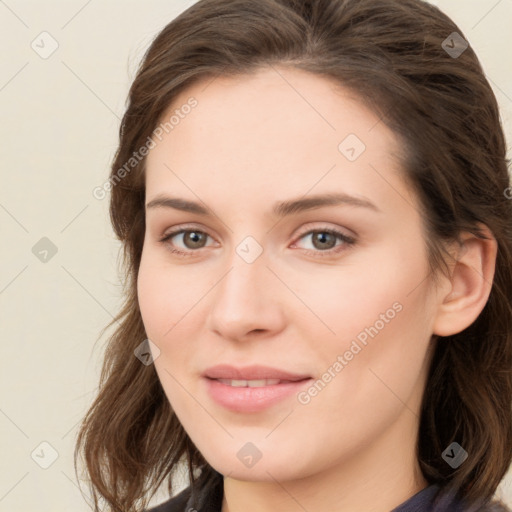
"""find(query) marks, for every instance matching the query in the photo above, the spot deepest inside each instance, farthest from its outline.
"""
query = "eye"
(324, 241)
(192, 238)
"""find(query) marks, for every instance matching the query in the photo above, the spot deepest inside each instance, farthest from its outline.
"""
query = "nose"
(247, 301)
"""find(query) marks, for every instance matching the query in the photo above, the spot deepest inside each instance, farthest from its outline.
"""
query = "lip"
(253, 372)
(251, 399)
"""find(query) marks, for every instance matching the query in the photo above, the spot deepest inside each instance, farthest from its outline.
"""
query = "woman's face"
(263, 282)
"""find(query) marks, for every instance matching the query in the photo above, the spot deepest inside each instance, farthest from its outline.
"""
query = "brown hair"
(391, 54)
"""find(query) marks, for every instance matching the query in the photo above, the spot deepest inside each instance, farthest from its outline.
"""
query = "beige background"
(60, 117)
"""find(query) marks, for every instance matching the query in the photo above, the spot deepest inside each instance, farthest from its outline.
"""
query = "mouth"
(252, 389)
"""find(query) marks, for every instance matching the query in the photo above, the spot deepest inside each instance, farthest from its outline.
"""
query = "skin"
(252, 141)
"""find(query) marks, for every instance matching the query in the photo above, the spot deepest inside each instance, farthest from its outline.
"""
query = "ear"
(469, 285)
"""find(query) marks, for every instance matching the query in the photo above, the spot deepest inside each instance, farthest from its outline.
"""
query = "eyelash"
(347, 242)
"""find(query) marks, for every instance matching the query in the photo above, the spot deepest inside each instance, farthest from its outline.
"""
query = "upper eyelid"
(306, 231)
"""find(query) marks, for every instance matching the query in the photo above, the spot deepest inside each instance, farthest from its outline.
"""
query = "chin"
(275, 466)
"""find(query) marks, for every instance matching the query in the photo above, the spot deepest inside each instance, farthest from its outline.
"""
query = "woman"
(312, 198)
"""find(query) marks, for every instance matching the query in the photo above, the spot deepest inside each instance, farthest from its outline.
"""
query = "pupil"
(195, 237)
(321, 237)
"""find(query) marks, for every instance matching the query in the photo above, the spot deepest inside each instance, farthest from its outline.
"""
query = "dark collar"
(208, 492)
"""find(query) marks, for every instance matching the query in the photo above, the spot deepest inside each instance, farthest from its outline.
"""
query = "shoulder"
(447, 501)
(435, 498)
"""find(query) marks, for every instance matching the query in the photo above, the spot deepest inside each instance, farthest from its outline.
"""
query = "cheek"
(367, 289)
(165, 293)
(380, 312)
(151, 301)
(171, 301)
(383, 324)
(162, 310)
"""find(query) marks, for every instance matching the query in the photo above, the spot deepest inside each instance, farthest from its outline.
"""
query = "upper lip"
(254, 372)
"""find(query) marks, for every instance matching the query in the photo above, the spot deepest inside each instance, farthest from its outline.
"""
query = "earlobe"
(471, 282)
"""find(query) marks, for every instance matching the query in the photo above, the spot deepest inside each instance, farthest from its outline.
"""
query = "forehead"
(271, 99)
(276, 129)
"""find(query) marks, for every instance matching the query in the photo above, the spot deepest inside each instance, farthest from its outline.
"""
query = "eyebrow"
(280, 209)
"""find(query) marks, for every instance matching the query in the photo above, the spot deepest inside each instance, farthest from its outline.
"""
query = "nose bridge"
(247, 263)
(244, 299)
(241, 286)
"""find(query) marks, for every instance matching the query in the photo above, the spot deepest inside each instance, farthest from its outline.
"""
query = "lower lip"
(246, 399)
